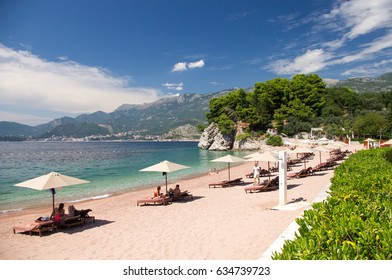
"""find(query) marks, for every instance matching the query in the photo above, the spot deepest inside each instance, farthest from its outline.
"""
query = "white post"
(282, 177)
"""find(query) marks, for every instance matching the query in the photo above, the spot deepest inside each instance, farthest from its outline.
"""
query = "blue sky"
(64, 58)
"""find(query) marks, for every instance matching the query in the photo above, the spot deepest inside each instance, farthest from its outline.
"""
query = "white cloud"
(361, 17)
(368, 50)
(347, 21)
(30, 82)
(310, 62)
(182, 66)
(29, 119)
(197, 64)
(179, 67)
(377, 68)
(174, 86)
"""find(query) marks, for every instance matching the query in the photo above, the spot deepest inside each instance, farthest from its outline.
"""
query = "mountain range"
(155, 118)
(364, 84)
(159, 117)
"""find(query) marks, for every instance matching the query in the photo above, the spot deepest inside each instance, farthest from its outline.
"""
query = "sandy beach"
(218, 224)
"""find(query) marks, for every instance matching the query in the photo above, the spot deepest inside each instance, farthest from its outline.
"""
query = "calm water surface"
(111, 167)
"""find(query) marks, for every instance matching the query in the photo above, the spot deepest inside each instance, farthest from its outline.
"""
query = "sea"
(111, 167)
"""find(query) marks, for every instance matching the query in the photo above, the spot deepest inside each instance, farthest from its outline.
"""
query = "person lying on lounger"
(74, 212)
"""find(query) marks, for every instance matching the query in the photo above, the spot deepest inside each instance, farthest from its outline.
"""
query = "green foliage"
(304, 102)
(369, 124)
(295, 125)
(226, 125)
(355, 222)
(275, 140)
(76, 130)
(243, 136)
(201, 127)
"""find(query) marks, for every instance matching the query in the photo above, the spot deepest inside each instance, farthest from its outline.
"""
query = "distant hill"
(16, 129)
(76, 130)
(155, 118)
(364, 84)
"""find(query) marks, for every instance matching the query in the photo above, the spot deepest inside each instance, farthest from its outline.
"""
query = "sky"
(65, 58)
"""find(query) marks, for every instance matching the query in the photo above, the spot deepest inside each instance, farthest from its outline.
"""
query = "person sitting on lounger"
(158, 193)
(170, 192)
(59, 213)
(177, 193)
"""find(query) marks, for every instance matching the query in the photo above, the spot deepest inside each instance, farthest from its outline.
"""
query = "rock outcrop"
(248, 144)
(185, 132)
(212, 139)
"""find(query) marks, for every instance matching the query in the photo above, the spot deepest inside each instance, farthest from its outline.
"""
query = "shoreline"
(147, 186)
(218, 224)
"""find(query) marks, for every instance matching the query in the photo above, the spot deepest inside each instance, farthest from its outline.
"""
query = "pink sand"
(218, 224)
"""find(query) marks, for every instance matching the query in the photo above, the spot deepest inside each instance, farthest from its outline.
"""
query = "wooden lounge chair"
(82, 213)
(272, 184)
(300, 174)
(69, 222)
(155, 200)
(183, 195)
(227, 183)
(219, 184)
(38, 227)
(256, 188)
(236, 181)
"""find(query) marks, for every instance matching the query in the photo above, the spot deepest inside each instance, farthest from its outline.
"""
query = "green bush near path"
(355, 222)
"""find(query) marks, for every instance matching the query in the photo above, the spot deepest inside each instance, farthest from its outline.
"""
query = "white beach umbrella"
(229, 159)
(389, 142)
(265, 156)
(51, 181)
(165, 167)
(321, 149)
(368, 141)
(301, 150)
(252, 155)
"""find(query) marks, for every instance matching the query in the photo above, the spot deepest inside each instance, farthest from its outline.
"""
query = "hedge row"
(355, 223)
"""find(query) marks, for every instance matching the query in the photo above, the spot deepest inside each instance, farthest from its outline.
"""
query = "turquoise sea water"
(111, 167)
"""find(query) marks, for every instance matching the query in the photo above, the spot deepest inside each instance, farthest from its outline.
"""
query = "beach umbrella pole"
(165, 173)
(229, 169)
(53, 191)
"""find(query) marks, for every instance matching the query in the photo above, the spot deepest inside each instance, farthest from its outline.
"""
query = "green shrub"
(275, 140)
(355, 222)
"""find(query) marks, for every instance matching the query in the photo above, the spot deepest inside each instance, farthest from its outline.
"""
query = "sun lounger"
(236, 181)
(271, 185)
(69, 222)
(300, 174)
(227, 183)
(220, 184)
(38, 227)
(154, 200)
(82, 213)
(256, 188)
(183, 195)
